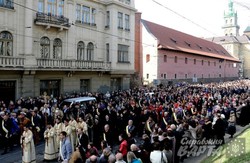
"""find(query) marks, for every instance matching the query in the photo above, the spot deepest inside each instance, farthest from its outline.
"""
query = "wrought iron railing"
(52, 19)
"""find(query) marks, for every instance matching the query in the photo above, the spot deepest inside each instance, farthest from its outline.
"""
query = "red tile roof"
(175, 40)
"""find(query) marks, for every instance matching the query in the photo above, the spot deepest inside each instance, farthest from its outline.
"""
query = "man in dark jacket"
(83, 142)
(219, 130)
(6, 126)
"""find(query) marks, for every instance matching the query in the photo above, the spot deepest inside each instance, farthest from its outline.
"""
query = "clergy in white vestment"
(28, 147)
(51, 149)
(58, 127)
(67, 128)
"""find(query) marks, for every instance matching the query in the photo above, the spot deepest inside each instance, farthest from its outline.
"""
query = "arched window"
(57, 49)
(80, 50)
(6, 43)
(90, 51)
(44, 43)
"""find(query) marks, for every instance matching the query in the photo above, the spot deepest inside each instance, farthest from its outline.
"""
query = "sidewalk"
(239, 130)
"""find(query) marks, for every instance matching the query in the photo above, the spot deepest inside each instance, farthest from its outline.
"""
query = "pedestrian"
(51, 150)
(231, 124)
(65, 150)
(28, 147)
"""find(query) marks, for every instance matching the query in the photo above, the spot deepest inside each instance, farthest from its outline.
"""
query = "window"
(127, 23)
(85, 14)
(57, 49)
(186, 76)
(208, 75)
(61, 7)
(51, 87)
(208, 63)
(107, 19)
(165, 58)
(175, 76)
(122, 53)
(175, 59)
(51, 7)
(147, 58)
(7, 4)
(165, 76)
(107, 52)
(195, 61)
(93, 17)
(80, 50)
(147, 76)
(45, 45)
(6, 44)
(90, 51)
(220, 75)
(78, 13)
(120, 20)
(40, 6)
(84, 85)
(202, 76)
(202, 62)
(186, 60)
(220, 66)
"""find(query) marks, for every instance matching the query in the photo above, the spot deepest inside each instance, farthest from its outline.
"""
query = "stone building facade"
(55, 47)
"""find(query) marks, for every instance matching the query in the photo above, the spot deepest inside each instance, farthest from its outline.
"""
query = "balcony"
(11, 62)
(49, 20)
(64, 64)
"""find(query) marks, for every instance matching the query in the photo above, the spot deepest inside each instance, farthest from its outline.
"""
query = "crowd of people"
(131, 126)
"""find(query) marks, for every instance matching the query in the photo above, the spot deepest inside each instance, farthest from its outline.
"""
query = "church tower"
(231, 27)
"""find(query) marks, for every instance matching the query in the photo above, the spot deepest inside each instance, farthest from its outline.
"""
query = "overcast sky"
(201, 18)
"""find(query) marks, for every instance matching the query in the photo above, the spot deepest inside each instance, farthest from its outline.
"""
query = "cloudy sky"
(201, 18)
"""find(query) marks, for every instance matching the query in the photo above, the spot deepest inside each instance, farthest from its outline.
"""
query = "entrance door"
(8, 91)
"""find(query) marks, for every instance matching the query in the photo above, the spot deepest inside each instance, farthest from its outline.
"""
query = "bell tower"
(231, 27)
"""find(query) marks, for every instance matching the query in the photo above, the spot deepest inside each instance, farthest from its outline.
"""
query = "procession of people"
(143, 124)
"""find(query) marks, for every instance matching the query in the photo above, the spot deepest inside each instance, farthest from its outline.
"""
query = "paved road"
(15, 156)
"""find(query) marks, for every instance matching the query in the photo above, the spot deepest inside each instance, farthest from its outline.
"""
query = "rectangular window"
(175, 76)
(107, 19)
(52, 7)
(122, 53)
(195, 61)
(162, 75)
(93, 17)
(202, 62)
(186, 60)
(175, 59)
(127, 23)
(78, 13)
(165, 76)
(208, 63)
(84, 85)
(85, 14)
(120, 20)
(165, 58)
(40, 6)
(186, 76)
(107, 52)
(147, 76)
(61, 8)
(220, 75)
(214, 63)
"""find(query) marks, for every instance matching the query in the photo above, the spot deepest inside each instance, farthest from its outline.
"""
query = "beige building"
(237, 45)
(61, 46)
